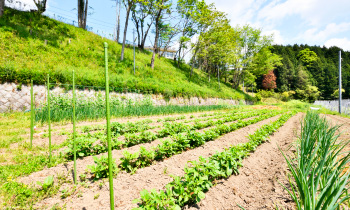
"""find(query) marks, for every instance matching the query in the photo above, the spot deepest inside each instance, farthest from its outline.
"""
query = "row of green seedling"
(175, 128)
(86, 144)
(181, 142)
(58, 113)
(216, 115)
(320, 167)
(202, 174)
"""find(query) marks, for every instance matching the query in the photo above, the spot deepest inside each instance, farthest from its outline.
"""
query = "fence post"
(32, 114)
(339, 82)
(74, 143)
(49, 114)
(110, 169)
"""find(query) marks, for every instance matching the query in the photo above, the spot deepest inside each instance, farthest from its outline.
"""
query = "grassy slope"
(24, 55)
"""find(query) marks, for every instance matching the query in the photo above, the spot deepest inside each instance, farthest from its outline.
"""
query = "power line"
(72, 19)
(89, 18)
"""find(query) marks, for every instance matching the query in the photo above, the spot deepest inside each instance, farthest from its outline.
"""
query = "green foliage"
(190, 139)
(319, 169)
(100, 168)
(201, 175)
(94, 108)
(305, 65)
(310, 94)
(48, 182)
(26, 34)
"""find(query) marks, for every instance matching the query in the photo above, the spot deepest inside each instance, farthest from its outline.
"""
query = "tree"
(129, 4)
(187, 25)
(82, 13)
(160, 7)
(140, 13)
(308, 57)
(250, 43)
(2, 6)
(117, 22)
(204, 16)
(41, 5)
(269, 81)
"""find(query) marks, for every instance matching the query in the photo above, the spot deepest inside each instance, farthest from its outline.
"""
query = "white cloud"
(332, 29)
(343, 43)
(277, 37)
(24, 5)
(276, 11)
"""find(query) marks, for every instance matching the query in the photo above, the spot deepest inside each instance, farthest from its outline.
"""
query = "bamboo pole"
(74, 143)
(110, 169)
(49, 114)
(32, 114)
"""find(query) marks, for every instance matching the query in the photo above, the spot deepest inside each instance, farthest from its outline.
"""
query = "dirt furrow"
(258, 184)
(127, 187)
(82, 163)
(57, 139)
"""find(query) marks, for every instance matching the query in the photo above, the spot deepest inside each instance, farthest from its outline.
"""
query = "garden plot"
(61, 133)
(212, 161)
(84, 162)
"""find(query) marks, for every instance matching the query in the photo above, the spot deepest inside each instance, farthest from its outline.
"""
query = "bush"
(310, 94)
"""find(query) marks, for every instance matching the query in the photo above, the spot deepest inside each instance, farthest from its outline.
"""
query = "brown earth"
(258, 184)
(127, 187)
(57, 139)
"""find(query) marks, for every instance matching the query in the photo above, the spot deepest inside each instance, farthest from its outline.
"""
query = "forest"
(305, 66)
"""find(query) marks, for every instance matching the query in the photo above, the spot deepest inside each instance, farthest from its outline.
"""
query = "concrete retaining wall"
(17, 98)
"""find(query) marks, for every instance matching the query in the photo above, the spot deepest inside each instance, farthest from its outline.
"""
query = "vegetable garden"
(210, 157)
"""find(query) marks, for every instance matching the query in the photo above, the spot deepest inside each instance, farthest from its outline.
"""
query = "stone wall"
(17, 98)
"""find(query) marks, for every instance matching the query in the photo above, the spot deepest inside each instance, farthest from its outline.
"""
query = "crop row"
(87, 145)
(181, 142)
(320, 168)
(115, 125)
(175, 128)
(200, 177)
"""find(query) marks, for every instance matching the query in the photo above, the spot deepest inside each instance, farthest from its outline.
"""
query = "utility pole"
(339, 82)
(133, 43)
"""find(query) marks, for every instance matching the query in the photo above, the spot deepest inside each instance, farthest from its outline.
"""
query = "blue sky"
(312, 22)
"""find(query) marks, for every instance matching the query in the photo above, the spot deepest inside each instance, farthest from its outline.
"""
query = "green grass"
(24, 55)
(94, 108)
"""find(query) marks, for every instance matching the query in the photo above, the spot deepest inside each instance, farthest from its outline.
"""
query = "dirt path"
(127, 187)
(257, 186)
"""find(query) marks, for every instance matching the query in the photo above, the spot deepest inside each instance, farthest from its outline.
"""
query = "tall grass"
(94, 108)
(320, 168)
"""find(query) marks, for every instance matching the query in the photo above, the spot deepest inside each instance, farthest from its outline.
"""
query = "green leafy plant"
(319, 168)
(100, 168)
(198, 178)
(48, 182)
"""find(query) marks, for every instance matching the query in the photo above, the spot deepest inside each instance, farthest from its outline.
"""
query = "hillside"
(32, 46)
(321, 72)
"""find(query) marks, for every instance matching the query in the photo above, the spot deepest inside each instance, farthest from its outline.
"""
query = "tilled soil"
(82, 163)
(344, 129)
(57, 139)
(258, 184)
(127, 187)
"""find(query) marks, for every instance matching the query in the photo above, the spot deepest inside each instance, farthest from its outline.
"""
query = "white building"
(169, 53)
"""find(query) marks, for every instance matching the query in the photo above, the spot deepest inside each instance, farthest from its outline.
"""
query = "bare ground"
(57, 139)
(82, 163)
(127, 187)
(257, 186)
